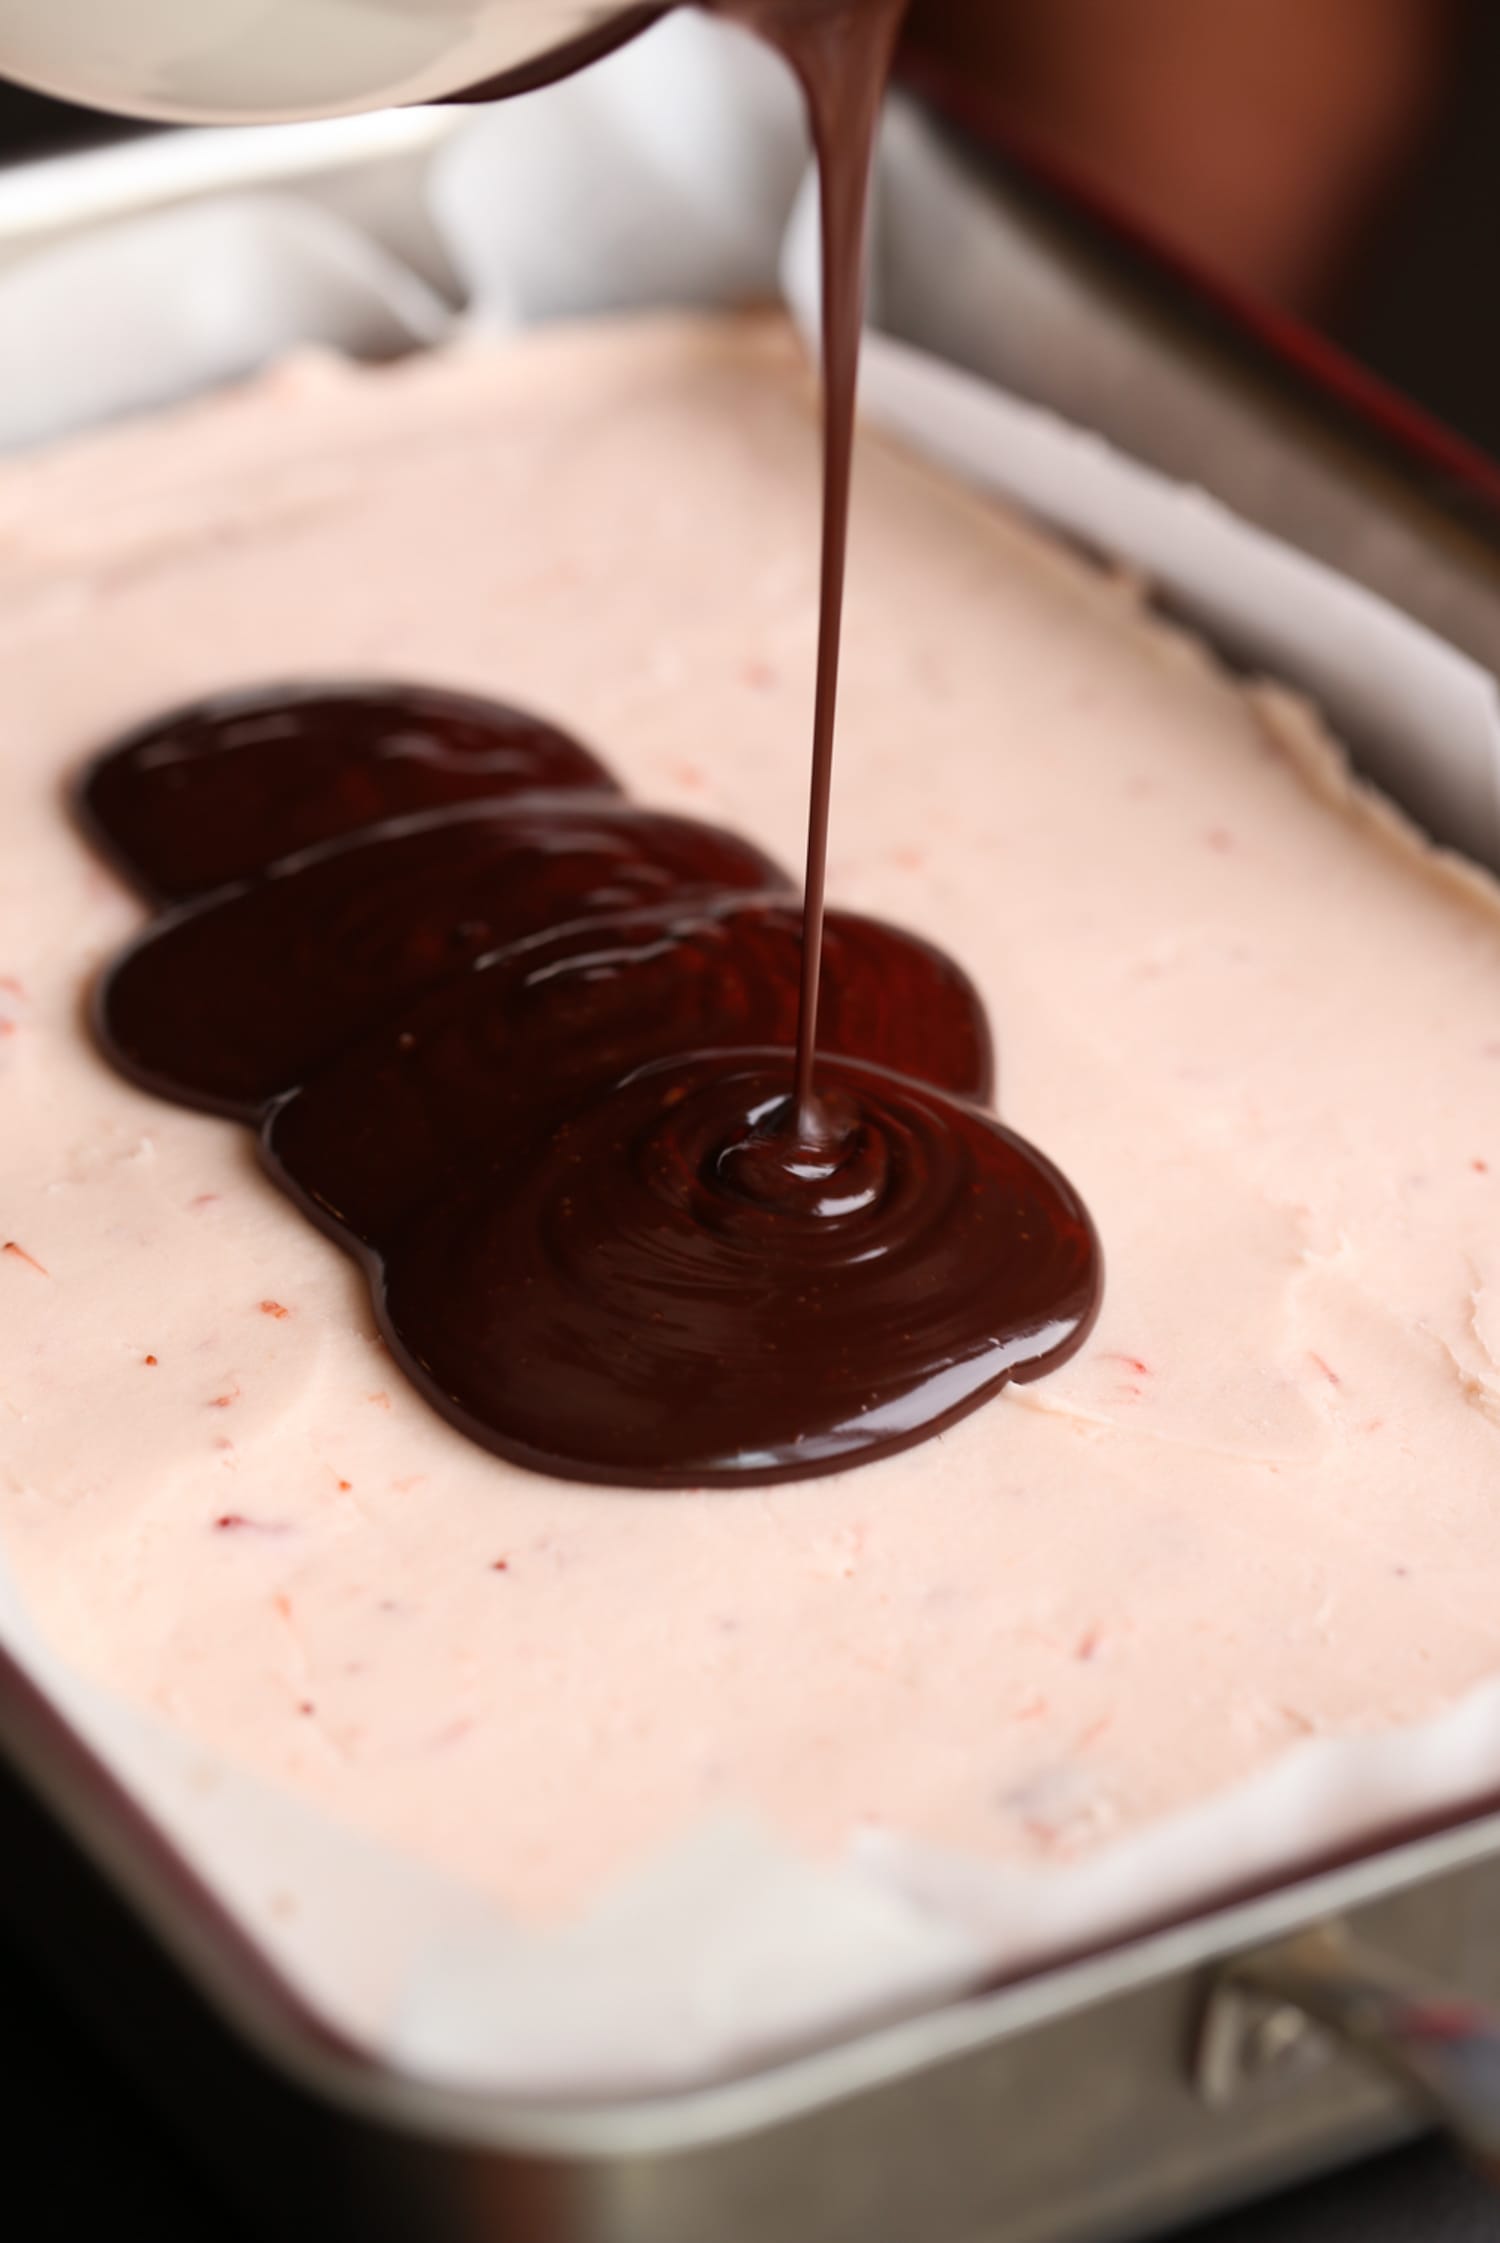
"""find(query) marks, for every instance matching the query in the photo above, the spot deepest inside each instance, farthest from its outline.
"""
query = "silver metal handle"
(1441, 2047)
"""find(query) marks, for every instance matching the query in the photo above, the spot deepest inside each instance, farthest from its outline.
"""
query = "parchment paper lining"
(676, 173)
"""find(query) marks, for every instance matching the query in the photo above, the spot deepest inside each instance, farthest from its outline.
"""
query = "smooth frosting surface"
(1253, 1018)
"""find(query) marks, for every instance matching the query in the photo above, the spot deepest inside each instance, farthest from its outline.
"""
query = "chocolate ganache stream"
(661, 1176)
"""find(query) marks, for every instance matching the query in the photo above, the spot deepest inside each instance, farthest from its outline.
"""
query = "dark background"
(1418, 303)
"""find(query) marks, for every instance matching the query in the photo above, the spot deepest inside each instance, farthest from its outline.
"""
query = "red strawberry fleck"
(1327, 1369)
(150, 1361)
(273, 1308)
(226, 1401)
(499, 1565)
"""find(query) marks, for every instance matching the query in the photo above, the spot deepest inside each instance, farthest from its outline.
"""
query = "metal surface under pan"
(1106, 2099)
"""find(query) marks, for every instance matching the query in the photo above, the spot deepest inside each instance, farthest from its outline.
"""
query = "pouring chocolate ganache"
(661, 1175)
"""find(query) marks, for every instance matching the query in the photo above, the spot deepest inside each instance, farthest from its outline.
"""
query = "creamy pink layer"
(1256, 1021)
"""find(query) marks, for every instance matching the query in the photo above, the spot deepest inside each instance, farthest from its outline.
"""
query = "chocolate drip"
(658, 1179)
(738, 1329)
(533, 1063)
(841, 51)
(478, 1072)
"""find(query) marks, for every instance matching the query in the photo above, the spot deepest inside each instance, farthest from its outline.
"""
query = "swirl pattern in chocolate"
(530, 1054)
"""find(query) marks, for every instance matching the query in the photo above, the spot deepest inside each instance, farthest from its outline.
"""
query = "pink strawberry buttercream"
(1252, 1016)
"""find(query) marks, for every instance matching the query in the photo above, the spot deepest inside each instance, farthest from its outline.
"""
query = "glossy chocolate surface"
(533, 1060)
(660, 1178)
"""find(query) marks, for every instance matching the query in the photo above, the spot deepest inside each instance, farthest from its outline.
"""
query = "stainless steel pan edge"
(1065, 2109)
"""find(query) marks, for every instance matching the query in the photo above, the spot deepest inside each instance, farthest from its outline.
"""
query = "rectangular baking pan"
(1107, 2099)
